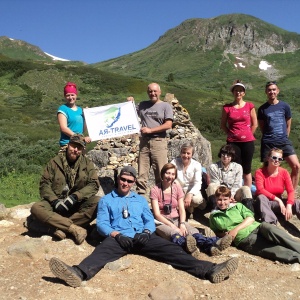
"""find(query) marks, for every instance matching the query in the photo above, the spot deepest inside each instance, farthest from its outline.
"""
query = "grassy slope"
(31, 91)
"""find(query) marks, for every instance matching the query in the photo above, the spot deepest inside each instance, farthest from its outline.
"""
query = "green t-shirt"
(223, 221)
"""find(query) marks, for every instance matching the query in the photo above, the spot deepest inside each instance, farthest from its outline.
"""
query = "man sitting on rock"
(126, 221)
(68, 187)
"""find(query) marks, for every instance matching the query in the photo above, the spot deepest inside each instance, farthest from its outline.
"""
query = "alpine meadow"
(197, 61)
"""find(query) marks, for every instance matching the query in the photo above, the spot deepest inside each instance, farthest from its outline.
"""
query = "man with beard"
(68, 187)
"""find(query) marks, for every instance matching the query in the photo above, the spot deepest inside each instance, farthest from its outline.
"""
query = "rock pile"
(112, 154)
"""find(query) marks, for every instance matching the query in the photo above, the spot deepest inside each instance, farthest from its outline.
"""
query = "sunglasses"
(126, 180)
(276, 158)
(225, 154)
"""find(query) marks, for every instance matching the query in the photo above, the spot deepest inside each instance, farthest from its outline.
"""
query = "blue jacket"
(110, 214)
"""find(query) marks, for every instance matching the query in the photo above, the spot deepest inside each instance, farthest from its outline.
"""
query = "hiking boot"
(191, 247)
(78, 232)
(59, 234)
(214, 251)
(71, 275)
(220, 272)
(224, 242)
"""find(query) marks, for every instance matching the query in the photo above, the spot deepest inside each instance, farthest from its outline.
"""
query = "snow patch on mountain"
(263, 65)
(56, 58)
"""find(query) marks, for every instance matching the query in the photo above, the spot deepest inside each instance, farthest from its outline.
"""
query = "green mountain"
(207, 55)
(17, 49)
(204, 53)
(197, 61)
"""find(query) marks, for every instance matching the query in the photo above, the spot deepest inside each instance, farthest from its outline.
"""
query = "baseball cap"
(128, 170)
(77, 139)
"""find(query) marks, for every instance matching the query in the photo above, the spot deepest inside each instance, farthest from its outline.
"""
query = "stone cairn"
(111, 155)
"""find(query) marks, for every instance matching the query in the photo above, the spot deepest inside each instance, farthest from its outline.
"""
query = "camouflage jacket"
(54, 185)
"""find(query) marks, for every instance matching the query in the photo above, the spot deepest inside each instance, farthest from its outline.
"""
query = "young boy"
(261, 239)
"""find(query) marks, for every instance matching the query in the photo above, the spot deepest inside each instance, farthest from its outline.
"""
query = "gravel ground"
(23, 277)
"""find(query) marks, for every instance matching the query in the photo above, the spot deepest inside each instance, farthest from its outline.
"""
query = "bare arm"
(87, 139)
(62, 121)
(288, 126)
(261, 125)
(224, 122)
(182, 216)
(253, 120)
(165, 126)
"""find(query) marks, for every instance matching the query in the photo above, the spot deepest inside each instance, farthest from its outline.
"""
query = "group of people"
(69, 185)
(239, 122)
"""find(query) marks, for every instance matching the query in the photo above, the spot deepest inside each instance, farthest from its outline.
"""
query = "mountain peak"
(199, 48)
(18, 49)
(236, 34)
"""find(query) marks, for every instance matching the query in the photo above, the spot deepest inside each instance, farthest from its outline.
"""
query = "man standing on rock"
(68, 187)
(156, 118)
(126, 221)
(275, 120)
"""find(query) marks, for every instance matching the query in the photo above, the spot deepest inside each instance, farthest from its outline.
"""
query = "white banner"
(111, 121)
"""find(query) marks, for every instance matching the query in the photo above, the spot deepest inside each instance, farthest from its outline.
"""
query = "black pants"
(156, 248)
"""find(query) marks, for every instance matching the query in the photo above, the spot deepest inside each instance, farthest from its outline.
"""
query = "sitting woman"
(271, 181)
(261, 239)
(168, 209)
(190, 178)
(228, 173)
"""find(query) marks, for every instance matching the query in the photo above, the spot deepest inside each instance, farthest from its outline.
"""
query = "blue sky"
(97, 30)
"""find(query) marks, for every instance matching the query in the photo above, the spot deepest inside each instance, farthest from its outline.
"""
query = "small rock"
(118, 265)
(295, 267)
(5, 223)
(172, 290)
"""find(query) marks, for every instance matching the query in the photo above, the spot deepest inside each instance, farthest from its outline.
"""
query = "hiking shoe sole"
(222, 271)
(64, 272)
(191, 247)
(191, 244)
(224, 242)
(214, 251)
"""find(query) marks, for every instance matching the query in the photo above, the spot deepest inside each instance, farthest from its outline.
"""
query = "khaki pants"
(83, 214)
(166, 231)
(273, 243)
(153, 153)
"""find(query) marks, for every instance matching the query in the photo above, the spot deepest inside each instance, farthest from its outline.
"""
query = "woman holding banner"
(70, 116)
